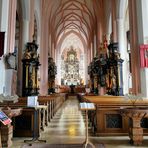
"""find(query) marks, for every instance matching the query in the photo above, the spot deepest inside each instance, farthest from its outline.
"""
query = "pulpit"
(135, 115)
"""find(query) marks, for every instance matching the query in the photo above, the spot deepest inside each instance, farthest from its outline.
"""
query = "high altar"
(70, 68)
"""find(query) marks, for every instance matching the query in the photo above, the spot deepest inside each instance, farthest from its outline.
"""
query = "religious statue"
(10, 61)
(52, 71)
(104, 47)
(31, 51)
(27, 54)
(111, 38)
(105, 44)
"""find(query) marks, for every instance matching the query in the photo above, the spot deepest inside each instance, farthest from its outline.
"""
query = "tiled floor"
(68, 127)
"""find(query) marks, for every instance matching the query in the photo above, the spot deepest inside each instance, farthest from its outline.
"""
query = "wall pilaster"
(123, 52)
(135, 58)
(142, 21)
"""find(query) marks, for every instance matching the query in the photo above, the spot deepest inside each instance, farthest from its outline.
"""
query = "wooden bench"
(107, 119)
(23, 124)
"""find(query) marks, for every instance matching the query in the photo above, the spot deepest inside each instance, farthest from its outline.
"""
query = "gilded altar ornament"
(26, 75)
(105, 42)
(95, 81)
(70, 68)
(113, 79)
(111, 38)
(101, 48)
(30, 69)
(108, 68)
(27, 54)
(104, 45)
(52, 71)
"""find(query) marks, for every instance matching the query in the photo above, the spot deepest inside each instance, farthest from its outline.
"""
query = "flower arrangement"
(8, 98)
(133, 98)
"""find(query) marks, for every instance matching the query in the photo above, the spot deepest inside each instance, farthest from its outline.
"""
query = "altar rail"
(23, 124)
(107, 120)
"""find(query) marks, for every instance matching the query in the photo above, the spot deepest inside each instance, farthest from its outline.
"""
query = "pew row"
(107, 119)
(23, 125)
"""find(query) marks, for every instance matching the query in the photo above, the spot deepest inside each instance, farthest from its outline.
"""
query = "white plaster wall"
(123, 53)
(0, 12)
(122, 8)
(9, 82)
(85, 69)
(95, 45)
(4, 21)
(145, 20)
(109, 27)
(38, 18)
(142, 17)
(58, 63)
(4, 9)
(121, 34)
(142, 20)
(2, 76)
(26, 17)
(144, 82)
(26, 9)
(25, 32)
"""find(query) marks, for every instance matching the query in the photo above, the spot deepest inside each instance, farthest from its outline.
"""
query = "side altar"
(30, 70)
(105, 70)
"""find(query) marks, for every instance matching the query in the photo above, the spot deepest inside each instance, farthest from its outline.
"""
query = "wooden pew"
(23, 124)
(53, 102)
(107, 119)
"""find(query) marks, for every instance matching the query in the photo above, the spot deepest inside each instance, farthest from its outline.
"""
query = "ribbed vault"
(72, 15)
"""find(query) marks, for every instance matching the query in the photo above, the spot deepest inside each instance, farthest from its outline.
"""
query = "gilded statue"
(27, 54)
(111, 38)
(104, 46)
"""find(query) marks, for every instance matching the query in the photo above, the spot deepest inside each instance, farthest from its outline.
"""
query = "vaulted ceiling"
(90, 20)
(73, 15)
